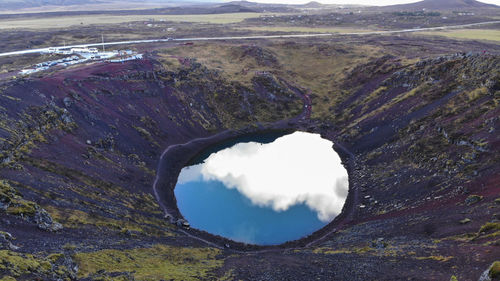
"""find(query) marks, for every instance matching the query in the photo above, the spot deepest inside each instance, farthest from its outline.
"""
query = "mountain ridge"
(443, 5)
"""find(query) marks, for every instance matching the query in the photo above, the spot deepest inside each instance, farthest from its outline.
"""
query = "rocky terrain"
(415, 120)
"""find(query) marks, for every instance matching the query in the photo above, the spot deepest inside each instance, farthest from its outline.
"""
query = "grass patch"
(435, 258)
(318, 69)
(394, 101)
(494, 270)
(471, 34)
(84, 20)
(155, 263)
(304, 29)
(490, 226)
(18, 264)
(71, 218)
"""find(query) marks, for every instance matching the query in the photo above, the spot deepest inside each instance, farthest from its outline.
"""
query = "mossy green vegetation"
(236, 102)
(146, 135)
(494, 270)
(75, 219)
(436, 258)
(317, 69)
(16, 205)
(7, 193)
(17, 264)
(490, 226)
(55, 257)
(20, 265)
(387, 251)
(22, 207)
(33, 126)
(155, 263)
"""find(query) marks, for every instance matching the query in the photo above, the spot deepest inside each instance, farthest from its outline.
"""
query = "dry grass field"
(67, 21)
(317, 69)
(471, 34)
(305, 29)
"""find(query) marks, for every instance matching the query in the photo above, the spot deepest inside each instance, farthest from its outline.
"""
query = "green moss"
(69, 247)
(71, 218)
(495, 270)
(32, 127)
(55, 257)
(143, 131)
(453, 278)
(22, 207)
(476, 93)
(155, 263)
(489, 226)
(8, 278)
(75, 218)
(146, 135)
(5, 187)
(435, 258)
(45, 266)
(61, 270)
(18, 264)
(7, 193)
(363, 250)
(17, 205)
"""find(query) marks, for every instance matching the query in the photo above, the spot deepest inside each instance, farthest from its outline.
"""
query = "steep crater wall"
(84, 145)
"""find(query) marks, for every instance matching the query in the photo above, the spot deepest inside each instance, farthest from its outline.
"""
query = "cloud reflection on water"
(294, 169)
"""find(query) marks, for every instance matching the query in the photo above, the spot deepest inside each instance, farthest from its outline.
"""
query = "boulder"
(182, 223)
(44, 221)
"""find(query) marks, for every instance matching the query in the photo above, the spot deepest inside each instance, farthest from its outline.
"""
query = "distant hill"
(443, 5)
(265, 7)
(19, 4)
(313, 4)
(71, 5)
(244, 3)
(232, 8)
(162, 6)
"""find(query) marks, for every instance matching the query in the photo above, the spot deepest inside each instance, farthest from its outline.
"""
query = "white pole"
(102, 37)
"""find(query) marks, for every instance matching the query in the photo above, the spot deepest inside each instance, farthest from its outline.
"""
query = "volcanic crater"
(90, 158)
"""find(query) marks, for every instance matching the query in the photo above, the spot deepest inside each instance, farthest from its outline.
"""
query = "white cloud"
(189, 174)
(294, 169)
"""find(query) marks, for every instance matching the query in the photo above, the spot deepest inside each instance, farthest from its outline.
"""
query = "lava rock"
(182, 223)
(44, 221)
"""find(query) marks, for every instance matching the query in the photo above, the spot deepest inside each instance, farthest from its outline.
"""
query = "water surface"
(265, 193)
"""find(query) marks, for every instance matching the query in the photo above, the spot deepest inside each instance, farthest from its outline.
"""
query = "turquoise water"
(211, 206)
(267, 190)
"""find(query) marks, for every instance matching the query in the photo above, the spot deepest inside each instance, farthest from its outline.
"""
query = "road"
(32, 51)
